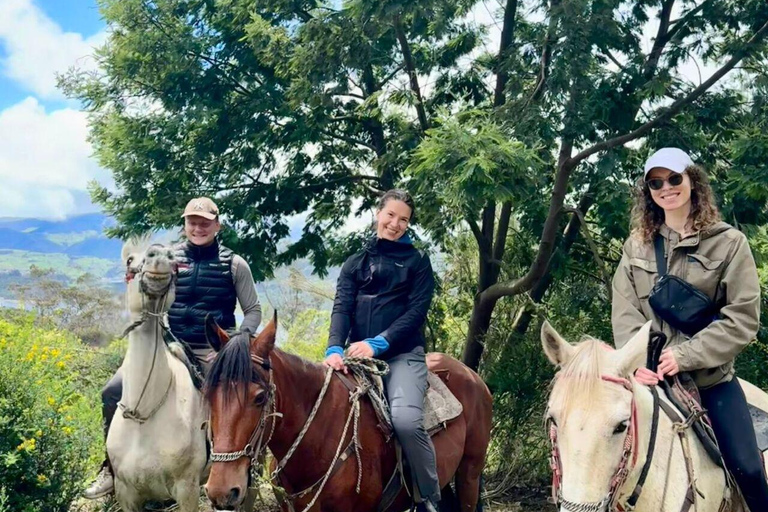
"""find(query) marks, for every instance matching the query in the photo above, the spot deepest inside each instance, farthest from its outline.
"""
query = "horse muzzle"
(226, 488)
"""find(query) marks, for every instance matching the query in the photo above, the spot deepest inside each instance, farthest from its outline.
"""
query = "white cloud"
(36, 48)
(45, 161)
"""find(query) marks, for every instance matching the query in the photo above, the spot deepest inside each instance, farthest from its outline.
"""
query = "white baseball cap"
(674, 159)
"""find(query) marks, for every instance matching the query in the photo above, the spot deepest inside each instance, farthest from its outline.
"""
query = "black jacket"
(386, 290)
(205, 285)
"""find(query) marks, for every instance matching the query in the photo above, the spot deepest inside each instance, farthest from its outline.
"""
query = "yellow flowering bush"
(50, 414)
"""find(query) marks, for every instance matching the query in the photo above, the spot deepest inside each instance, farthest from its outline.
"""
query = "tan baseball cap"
(202, 207)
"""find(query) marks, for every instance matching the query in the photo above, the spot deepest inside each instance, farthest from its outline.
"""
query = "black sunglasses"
(673, 179)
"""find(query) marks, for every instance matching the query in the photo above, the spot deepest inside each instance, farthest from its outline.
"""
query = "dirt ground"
(518, 500)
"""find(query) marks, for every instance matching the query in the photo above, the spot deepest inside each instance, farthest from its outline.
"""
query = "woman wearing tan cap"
(211, 280)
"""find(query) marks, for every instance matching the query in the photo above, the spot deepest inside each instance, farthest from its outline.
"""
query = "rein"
(132, 413)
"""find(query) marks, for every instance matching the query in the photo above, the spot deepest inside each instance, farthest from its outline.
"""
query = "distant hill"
(71, 247)
(80, 235)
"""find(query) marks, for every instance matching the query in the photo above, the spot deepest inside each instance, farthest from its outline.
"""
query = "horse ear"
(265, 341)
(557, 350)
(215, 335)
(633, 355)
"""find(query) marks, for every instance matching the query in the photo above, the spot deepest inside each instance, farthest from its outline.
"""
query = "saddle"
(682, 393)
(440, 407)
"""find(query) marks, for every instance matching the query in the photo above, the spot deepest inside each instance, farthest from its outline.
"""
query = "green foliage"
(50, 429)
(308, 334)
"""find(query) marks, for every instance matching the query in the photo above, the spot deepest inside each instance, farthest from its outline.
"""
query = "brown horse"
(250, 376)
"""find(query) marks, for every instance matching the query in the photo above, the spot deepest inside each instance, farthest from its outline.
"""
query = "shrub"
(50, 424)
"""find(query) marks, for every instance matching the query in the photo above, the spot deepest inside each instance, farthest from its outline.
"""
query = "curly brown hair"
(647, 216)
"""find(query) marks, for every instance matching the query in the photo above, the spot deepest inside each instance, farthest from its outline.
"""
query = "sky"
(46, 161)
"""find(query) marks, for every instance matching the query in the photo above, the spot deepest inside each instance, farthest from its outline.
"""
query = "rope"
(360, 367)
(310, 419)
(132, 414)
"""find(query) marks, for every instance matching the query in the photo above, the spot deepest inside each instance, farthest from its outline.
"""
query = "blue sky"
(45, 159)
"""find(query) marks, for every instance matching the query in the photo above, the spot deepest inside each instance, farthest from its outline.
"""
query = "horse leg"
(187, 496)
(468, 482)
(448, 501)
(128, 501)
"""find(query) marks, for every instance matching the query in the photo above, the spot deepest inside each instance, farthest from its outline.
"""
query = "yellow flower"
(55, 352)
(27, 445)
(51, 401)
(44, 357)
(42, 479)
(68, 430)
(39, 433)
(61, 364)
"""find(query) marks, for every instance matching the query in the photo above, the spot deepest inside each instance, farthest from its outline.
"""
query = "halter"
(626, 464)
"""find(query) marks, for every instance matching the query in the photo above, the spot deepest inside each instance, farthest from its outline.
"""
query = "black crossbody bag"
(676, 301)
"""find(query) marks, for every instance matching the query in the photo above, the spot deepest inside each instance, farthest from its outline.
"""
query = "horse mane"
(233, 366)
(584, 373)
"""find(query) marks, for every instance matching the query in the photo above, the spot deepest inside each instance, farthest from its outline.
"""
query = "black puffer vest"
(204, 286)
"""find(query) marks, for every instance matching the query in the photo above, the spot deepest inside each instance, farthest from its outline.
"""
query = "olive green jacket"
(718, 262)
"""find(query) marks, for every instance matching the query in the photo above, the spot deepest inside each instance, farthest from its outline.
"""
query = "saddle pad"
(440, 406)
(760, 422)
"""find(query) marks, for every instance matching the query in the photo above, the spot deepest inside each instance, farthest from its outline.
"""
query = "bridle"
(626, 464)
(131, 273)
(255, 446)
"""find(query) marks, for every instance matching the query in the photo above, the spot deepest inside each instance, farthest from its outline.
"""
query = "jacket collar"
(197, 252)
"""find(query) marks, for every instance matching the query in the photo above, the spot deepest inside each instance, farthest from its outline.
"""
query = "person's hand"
(360, 349)
(336, 362)
(668, 363)
(646, 377)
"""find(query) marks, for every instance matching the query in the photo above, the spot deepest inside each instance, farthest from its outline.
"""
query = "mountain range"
(78, 236)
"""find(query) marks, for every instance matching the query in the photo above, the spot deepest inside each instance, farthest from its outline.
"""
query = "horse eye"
(551, 420)
(621, 427)
(260, 399)
(129, 260)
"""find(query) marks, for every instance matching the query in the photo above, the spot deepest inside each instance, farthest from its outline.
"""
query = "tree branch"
(507, 36)
(677, 105)
(482, 242)
(350, 140)
(414, 79)
(661, 40)
(546, 55)
(685, 18)
(595, 252)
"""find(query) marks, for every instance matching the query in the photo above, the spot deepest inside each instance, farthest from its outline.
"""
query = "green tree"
(282, 108)
(84, 307)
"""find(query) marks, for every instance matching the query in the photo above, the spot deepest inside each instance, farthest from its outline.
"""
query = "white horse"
(156, 443)
(600, 426)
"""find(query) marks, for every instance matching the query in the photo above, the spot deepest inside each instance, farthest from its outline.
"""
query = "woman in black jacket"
(382, 297)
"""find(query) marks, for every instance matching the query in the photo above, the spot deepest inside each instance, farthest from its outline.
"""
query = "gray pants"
(406, 385)
(112, 392)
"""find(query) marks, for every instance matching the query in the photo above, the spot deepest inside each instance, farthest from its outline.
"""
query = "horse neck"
(146, 368)
(669, 470)
(298, 384)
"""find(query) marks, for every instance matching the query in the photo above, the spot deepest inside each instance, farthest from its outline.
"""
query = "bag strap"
(661, 258)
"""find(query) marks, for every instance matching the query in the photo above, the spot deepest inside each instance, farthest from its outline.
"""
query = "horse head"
(591, 417)
(241, 395)
(150, 276)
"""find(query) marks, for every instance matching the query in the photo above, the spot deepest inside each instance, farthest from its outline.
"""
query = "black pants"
(727, 408)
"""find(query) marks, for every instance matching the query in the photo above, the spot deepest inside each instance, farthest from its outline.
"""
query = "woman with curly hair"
(675, 217)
